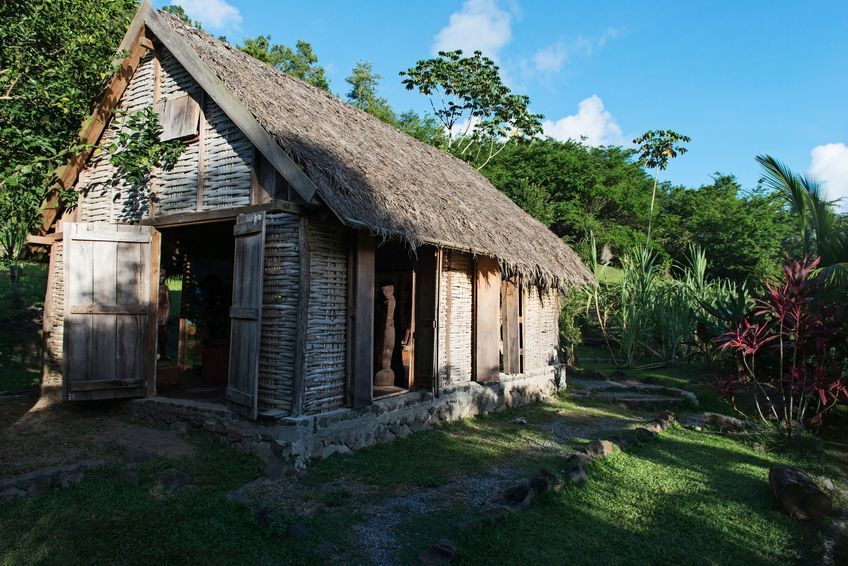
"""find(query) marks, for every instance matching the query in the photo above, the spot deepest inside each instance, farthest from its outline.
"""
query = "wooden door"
(111, 290)
(246, 313)
(510, 326)
(426, 316)
(487, 319)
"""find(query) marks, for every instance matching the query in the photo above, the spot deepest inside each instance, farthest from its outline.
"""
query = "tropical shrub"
(790, 350)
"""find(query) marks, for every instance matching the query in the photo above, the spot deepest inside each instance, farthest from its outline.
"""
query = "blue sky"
(740, 78)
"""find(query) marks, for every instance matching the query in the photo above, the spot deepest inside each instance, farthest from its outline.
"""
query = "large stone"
(544, 481)
(518, 496)
(575, 471)
(442, 551)
(798, 494)
(598, 449)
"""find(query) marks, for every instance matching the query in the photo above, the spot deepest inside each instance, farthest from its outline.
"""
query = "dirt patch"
(38, 434)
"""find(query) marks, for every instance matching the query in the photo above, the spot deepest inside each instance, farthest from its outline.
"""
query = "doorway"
(394, 305)
(193, 332)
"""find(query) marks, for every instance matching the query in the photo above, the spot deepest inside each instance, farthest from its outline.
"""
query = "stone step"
(624, 387)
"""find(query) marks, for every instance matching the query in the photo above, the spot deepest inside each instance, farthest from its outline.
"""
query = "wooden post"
(363, 334)
(299, 383)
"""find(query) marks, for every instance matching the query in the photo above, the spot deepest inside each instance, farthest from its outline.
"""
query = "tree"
(821, 231)
(656, 148)
(576, 190)
(363, 83)
(178, 11)
(744, 233)
(481, 116)
(300, 62)
(56, 55)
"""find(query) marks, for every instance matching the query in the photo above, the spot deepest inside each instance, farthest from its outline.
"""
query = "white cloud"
(551, 58)
(213, 14)
(478, 25)
(829, 165)
(591, 121)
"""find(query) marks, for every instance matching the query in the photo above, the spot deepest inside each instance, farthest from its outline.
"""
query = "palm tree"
(823, 231)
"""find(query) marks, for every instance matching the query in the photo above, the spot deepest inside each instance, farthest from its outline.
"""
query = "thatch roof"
(377, 177)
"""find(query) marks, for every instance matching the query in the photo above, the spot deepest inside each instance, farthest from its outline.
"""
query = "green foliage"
(300, 62)
(746, 233)
(138, 152)
(576, 190)
(54, 58)
(178, 11)
(821, 231)
(656, 148)
(20, 327)
(469, 98)
(570, 315)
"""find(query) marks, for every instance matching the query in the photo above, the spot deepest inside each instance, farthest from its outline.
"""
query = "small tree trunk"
(653, 198)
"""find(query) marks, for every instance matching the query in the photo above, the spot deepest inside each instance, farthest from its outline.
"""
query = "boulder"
(442, 551)
(598, 449)
(544, 481)
(575, 472)
(518, 496)
(643, 434)
(798, 494)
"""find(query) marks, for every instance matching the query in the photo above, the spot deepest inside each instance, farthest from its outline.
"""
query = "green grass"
(20, 325)
(105, 521)
(609, 274)
(688, 498)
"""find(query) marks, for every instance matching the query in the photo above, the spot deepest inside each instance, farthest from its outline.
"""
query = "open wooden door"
(246, 313)
(426, 317)
(487, 319)
(111, 289)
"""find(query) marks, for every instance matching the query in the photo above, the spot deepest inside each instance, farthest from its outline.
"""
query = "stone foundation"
(345, 430)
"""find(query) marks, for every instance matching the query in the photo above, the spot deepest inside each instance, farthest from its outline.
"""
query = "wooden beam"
(363, 351)
(301, 342)
(217, 215)
(231, 105)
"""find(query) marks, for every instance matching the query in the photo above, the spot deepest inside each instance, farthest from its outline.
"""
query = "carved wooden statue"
(386, 376)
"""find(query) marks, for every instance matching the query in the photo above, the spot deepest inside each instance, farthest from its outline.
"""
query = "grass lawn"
(685, 498)
(20, 320)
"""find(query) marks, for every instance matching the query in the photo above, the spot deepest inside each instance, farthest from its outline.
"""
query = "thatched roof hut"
(376, 177)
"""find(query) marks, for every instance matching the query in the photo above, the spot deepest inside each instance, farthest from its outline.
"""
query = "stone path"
(633, 395)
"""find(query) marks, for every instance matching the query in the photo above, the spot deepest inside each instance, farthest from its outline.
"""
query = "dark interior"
(194, 361)
(394, 267)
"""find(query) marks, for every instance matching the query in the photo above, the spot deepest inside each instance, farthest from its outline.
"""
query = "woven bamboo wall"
(103, 195)
(455, 348)
(53, 338)
(279, 311)
(227, 157)
(541, 328)
(326, 349)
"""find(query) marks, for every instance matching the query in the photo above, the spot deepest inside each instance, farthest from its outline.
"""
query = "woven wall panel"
(279, 311)
(456, 290)
(326, 349)
(228, 157)
(53, 339)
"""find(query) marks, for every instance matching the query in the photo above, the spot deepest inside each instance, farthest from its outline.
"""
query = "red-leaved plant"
(794, 333)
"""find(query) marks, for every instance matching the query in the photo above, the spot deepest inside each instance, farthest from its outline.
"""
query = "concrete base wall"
(345, 430)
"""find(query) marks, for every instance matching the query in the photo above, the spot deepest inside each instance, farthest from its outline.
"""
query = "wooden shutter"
(487, 320)
(111, 290)
(426, 316)
(179, 117)
(246, 313)
(510, 327)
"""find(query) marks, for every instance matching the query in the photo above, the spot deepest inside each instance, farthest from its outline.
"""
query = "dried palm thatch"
(376, 177)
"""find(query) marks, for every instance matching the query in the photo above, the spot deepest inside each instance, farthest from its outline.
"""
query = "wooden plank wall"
(326, 347)
(226, 159)
(487, 319)
(279, 312)
(455, 318)
(54, 321)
